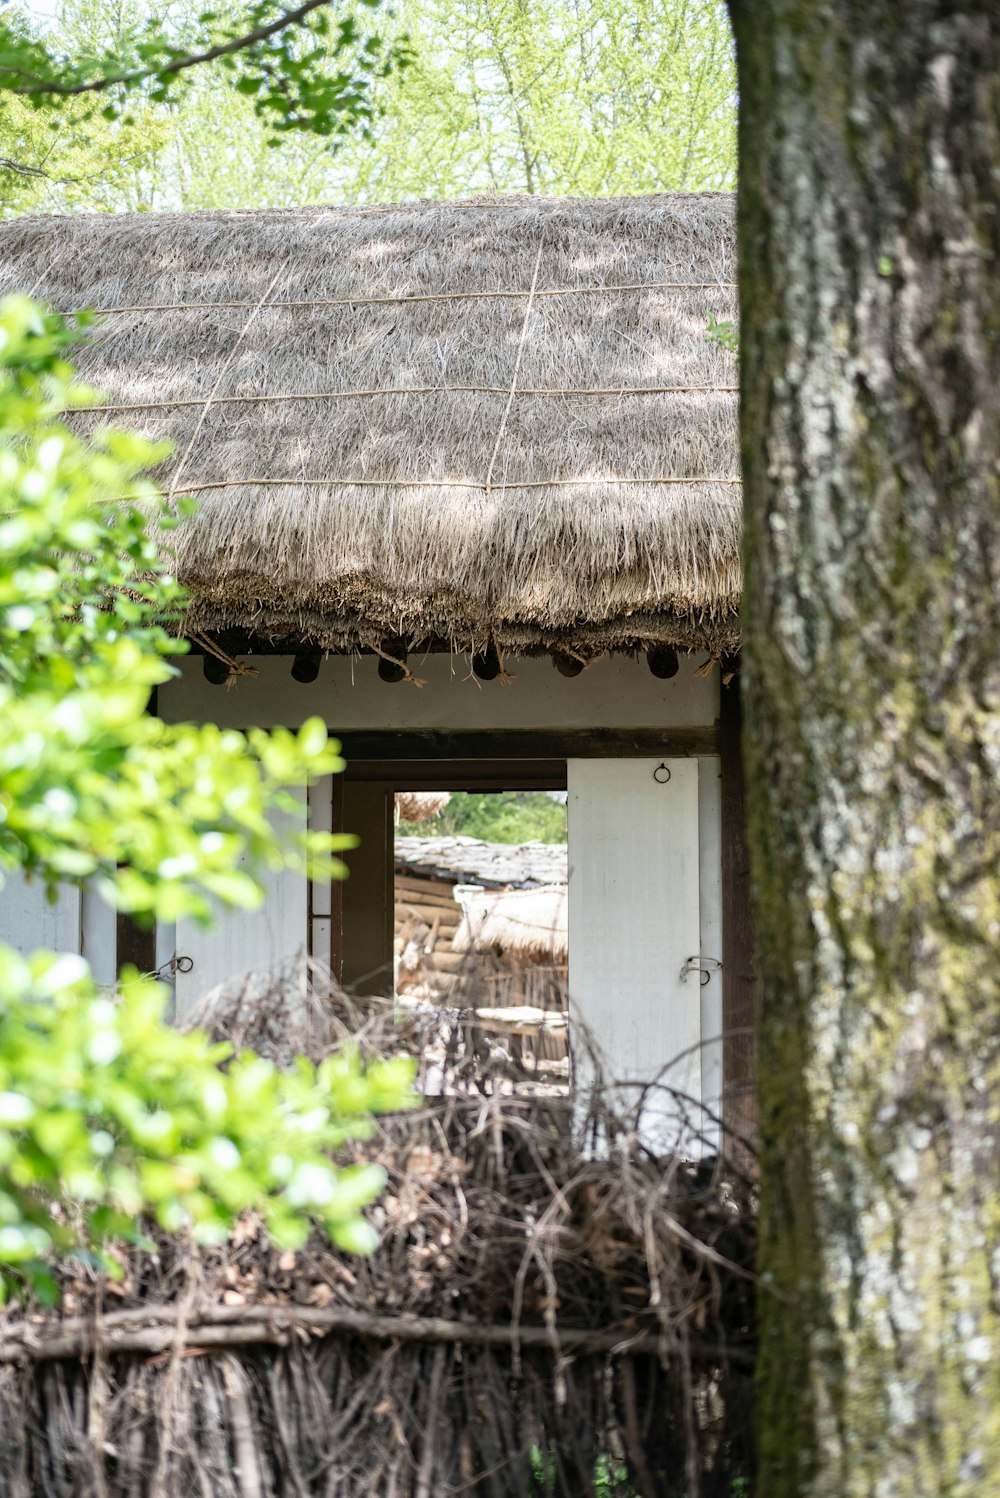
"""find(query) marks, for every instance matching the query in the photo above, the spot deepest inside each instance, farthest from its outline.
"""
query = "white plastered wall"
(614, 692)
(29, 922)
(79, 921)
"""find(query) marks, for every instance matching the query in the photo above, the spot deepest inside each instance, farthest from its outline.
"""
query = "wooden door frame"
(492, 760)
(431, 747)
(741, 997)
(362, 938)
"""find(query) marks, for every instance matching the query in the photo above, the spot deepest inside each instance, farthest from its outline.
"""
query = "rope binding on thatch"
(388, 391)
(437, 296)
(424, 483)
(212, 647)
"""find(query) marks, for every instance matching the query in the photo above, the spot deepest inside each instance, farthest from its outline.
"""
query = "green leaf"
(105, 1111)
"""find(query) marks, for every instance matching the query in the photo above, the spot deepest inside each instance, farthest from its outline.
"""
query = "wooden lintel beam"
(544, 747)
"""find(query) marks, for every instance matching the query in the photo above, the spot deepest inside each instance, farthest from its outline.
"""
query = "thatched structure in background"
(522, 922)
(535, 1317)
(513, 948)
(485, 924)
(420, 806)
(440, 423)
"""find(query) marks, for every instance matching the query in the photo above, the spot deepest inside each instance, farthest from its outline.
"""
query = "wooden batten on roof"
(497, 420)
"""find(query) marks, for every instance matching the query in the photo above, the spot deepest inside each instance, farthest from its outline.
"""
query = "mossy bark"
(870, 265)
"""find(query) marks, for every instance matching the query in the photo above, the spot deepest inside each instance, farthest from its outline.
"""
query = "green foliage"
(300, 69)
(725, 334)
(496, 817)
(610, 1476)
(109, 1112)
(103, 1110)
(561, 96)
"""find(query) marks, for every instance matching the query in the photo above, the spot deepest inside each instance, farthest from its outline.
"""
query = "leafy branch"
(40, 84)
(104, 1111)
(726, 334)
(303, 71)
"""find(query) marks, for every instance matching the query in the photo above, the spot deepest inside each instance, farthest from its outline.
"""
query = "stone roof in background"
(468, 860)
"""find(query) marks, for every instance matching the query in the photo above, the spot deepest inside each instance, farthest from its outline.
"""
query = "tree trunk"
(870, 252)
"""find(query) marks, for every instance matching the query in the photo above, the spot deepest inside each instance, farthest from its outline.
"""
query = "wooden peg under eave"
(663, 662)
(305, 667)
(216, 671)
(392, 661)
(487, 665)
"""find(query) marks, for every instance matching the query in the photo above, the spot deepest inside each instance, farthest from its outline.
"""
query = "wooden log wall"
(426, 917)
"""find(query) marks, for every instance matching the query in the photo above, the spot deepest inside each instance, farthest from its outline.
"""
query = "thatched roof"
(420, 806)
(522, 922)
(440, 421)
(470, 860)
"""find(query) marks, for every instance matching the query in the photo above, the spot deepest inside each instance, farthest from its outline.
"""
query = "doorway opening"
(480, 929)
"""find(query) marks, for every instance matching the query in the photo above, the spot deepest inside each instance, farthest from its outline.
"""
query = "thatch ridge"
(480, 487)
(522, 922)
(420, 806)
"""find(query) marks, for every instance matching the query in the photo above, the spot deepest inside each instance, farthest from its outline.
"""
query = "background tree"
(70, 156)
(569, 96)
(311, 68)
(870, 333)
(496, 817)
(75, 161)
(560, 96)
(280, 56)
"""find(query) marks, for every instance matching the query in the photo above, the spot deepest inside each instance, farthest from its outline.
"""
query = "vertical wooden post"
(136, 945)
(337, 888)
(740, 989)
(366, 895)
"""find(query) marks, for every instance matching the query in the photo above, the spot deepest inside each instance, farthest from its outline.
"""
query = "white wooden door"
(30, 924)
(634, 925)
(244, 941)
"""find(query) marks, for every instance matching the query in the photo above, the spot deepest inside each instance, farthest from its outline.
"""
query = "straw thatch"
(470, 860)
(522, 922)
(420, 806)
(440, 422)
